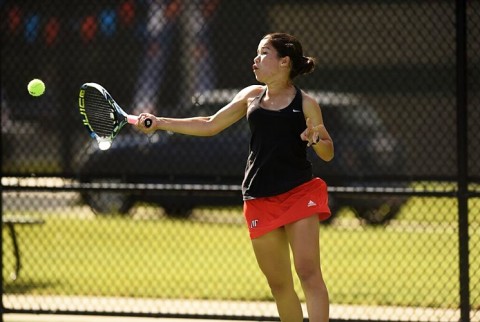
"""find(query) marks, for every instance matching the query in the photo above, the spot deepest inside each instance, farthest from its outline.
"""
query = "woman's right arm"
(203, 125)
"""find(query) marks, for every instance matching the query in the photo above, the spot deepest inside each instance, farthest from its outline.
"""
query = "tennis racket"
(101, 115)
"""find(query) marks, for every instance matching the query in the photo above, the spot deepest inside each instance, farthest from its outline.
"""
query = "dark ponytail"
(305, 66)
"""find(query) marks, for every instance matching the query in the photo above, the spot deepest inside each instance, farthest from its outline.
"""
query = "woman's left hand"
(311, 133)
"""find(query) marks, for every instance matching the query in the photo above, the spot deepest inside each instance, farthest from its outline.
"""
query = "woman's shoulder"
(250, 91)
(308, 99)
(246, 95)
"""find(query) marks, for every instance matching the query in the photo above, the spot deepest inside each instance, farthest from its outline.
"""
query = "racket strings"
(100, 114)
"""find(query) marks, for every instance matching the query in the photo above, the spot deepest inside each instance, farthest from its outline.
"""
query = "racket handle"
(132, 119)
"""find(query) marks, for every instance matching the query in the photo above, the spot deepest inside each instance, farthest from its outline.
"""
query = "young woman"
(282, 201)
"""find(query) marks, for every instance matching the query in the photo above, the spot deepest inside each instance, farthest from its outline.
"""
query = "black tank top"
(277, 160)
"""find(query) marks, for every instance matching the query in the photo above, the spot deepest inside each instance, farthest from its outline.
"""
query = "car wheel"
(178, 211)
(378, 211)
(108, 202)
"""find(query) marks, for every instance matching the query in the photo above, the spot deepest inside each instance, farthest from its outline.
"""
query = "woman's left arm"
(316, 134)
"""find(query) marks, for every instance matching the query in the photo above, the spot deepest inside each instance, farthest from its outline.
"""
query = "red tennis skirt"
(269, 213)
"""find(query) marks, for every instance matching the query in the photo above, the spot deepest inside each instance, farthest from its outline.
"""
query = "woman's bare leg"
(273, 256)
(303, 237)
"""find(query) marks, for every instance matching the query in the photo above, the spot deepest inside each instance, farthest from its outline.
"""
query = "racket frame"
(119, 117)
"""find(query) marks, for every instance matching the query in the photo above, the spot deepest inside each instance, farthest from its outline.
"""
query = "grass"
(411, 262)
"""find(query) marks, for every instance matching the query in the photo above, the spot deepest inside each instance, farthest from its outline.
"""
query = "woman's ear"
(285, 61)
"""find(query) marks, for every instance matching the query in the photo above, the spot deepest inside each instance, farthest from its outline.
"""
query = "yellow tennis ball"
(36, 87)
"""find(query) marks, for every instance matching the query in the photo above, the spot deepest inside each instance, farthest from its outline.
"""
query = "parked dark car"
(206, 171)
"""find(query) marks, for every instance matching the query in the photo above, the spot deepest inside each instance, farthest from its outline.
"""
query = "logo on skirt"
(254, 223)
(311, 203)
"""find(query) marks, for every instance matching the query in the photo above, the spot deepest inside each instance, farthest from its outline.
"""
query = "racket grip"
(132, 119)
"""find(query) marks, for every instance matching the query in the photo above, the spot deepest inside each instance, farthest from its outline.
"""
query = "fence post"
(462, 157)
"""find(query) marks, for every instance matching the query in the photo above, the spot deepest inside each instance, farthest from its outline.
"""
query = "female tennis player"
(283, 202)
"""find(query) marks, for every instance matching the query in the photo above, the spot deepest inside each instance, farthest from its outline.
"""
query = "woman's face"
(267, 63)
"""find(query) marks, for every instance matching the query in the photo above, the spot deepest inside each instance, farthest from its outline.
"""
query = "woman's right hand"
(147, 123)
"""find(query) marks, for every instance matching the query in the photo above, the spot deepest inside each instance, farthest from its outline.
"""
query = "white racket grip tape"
(132, 119)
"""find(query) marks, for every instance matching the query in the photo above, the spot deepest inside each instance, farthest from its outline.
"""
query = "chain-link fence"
(154, 225)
